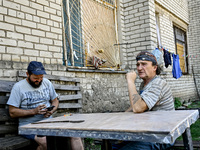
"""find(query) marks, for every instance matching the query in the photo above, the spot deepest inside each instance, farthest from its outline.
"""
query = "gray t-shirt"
(24, 96)
(157, 95)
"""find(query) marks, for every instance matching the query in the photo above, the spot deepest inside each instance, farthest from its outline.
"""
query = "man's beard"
(33, 83)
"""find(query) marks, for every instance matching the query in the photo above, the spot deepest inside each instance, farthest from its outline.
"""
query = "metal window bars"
(90, 26)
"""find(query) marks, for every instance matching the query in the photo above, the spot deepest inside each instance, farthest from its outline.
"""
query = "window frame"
(186, 48)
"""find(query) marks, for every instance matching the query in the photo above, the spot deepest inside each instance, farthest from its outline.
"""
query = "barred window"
(90, 31)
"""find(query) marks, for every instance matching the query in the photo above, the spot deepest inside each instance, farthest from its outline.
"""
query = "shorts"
(31, 136)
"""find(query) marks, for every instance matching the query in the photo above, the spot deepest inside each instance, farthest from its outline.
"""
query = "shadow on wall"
(104, 99)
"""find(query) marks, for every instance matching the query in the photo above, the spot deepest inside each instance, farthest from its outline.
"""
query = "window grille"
(90, 30)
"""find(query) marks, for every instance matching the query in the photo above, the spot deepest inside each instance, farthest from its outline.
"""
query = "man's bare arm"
(17, 112)
(137, 103)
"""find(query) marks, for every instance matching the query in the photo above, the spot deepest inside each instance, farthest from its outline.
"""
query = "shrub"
(177, 102)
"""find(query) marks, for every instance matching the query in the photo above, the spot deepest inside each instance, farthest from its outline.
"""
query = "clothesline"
(189, 56)
(176, 70)
(166, 50)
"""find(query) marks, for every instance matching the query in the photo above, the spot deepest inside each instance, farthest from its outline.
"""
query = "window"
(181, 48)
(90, 30)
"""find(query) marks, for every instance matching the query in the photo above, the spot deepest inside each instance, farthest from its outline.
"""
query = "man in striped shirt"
(155, 94)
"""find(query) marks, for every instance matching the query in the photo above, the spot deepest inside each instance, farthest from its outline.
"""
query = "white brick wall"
(28, 26)
(140, 30)
(194, 38)
(139, 27)
(176, 7)
(32, 30)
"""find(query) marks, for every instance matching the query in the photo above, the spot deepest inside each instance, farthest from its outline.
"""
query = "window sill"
(95, 71)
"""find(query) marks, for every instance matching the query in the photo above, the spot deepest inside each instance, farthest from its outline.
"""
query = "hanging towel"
(158, 54)
(167, 58)
(176, 70)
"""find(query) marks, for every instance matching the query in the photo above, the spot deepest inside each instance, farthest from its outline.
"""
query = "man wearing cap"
(30, 97)
(154, 94)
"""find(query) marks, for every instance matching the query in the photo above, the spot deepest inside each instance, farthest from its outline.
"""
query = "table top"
(150, 126)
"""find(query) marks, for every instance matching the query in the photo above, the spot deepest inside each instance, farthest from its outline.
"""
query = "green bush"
(89, 144)
(177, 102)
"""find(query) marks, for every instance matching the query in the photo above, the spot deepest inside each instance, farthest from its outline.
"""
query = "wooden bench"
(70, 97)
(180, 144)
(8, 127)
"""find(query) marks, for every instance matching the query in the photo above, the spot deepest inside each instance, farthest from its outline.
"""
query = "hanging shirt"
(176, 70)
(167, 58)
(158, 54)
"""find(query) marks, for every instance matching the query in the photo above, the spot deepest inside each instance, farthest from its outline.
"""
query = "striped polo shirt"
(157, 95)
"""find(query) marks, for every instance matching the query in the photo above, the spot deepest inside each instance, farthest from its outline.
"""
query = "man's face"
(146, 70)
(35, 80)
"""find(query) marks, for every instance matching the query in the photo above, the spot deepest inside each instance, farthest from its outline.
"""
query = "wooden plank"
(14, 142)
(5, 129)
(180, 51)
(66, 87)
(4, 115)
(62, 78)
(69, 97)
(69, 105)
(6, 86)
(3, 100)
(179, 143)
(52, 77)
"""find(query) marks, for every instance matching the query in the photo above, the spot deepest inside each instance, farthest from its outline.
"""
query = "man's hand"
(40, 109)
(131, 76)
(48, 114)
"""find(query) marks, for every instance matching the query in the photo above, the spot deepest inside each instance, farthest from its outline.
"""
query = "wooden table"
(151, 126)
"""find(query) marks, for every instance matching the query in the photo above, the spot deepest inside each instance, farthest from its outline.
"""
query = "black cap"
(36, 68)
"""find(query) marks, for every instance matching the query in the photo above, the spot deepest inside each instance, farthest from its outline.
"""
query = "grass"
(195, 104)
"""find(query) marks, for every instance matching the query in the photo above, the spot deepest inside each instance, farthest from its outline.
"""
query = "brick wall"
(31, 30)
(178, 8)
(140, 31)
(194, 38)
(138, 19)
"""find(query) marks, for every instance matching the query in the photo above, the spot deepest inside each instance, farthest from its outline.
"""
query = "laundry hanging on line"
(176, 70)
(167, 58)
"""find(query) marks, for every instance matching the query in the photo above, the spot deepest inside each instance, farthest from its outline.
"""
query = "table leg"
(106, 145)
(58, 143)
(187, 139)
